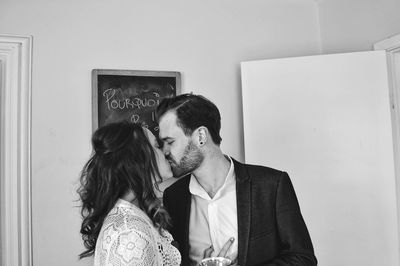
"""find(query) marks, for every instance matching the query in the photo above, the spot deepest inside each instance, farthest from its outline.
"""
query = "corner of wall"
(317, 5)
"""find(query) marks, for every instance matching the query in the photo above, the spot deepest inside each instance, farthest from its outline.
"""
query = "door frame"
(392, 47)
(15, 156)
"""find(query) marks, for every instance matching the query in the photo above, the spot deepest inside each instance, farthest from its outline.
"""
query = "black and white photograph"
(199, 133)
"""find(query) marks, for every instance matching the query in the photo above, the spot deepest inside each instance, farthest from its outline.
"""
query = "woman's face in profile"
(163, 166)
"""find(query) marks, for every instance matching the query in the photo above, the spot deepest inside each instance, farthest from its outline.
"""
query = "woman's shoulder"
(126, 215)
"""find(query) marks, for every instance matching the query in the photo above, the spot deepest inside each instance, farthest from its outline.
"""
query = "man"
(219, 199)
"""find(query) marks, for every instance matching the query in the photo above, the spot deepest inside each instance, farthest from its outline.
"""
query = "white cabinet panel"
(326, 121)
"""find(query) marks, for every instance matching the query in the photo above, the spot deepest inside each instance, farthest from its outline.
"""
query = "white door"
(1, 160)
(326, 121)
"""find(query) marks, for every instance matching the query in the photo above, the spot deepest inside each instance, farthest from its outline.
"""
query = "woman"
(123, 221)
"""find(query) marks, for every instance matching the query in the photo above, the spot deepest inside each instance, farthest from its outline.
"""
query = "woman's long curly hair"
(123, 159)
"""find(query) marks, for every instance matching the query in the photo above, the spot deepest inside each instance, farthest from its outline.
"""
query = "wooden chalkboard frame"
(131, 73)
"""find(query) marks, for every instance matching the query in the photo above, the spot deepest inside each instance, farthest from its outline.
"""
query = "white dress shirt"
(213, 221)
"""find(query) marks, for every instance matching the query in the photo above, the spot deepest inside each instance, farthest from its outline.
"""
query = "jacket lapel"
(243, 201)
(186, 202)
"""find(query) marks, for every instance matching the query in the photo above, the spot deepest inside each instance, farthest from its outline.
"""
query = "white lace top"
(128, 238)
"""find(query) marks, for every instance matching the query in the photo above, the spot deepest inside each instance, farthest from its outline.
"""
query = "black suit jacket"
(271, 229)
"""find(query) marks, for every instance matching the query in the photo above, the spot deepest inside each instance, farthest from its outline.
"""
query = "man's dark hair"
(193, 111)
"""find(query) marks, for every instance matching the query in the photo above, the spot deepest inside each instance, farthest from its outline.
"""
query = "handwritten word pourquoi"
(127, 103)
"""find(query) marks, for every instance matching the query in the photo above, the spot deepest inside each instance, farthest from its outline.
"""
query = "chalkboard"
(131, 95)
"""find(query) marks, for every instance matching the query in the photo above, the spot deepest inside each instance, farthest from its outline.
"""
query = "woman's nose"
(165, 150)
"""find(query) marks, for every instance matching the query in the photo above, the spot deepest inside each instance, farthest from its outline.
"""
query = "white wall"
(204, 40)
(355, 25)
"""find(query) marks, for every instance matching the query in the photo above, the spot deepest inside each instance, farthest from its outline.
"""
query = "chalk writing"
(135, 118)
(115, 100)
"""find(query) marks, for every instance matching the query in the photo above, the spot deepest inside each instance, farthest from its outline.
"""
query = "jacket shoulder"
(263, 170)
(180, 185)
(256, 172)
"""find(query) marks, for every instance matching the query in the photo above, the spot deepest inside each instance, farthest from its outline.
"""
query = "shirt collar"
(196, 189)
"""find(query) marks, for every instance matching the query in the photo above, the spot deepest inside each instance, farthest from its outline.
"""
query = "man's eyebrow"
(166, 138)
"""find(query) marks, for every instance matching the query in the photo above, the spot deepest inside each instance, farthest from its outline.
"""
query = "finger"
(207, 252)
(234, 263)
(226, 247)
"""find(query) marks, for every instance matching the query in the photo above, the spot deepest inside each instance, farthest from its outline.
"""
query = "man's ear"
(202, 135)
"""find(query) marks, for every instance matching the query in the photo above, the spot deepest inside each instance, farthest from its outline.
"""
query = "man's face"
(180, 150)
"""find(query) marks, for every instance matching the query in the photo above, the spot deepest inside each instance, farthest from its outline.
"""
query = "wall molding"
(392, 47)
(15, 157)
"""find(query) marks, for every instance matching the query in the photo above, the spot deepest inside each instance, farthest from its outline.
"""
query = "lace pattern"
(128, 237)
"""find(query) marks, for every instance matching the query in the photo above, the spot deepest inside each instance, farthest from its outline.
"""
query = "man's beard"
(191, 160)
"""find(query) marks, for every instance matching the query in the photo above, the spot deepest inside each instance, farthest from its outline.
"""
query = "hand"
(223, 253)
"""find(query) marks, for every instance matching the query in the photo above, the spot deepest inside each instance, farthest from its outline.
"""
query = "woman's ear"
(202, 136)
